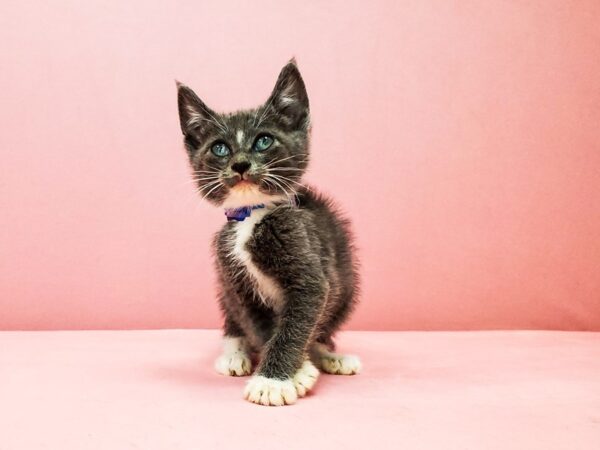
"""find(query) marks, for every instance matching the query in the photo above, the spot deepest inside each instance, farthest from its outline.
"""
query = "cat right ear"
(289, 98)
(194, 115)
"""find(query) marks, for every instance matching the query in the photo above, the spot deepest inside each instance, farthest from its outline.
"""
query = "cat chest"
(265, 286)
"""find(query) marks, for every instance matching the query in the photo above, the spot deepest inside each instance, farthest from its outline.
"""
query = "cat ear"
(194, 115)
(289, 99)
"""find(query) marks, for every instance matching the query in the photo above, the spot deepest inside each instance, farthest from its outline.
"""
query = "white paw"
(270, 392)
(305, 378)
(234, 361)
(236, 364)
(340, 364)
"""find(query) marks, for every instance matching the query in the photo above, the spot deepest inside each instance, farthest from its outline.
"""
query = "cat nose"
(240, 167)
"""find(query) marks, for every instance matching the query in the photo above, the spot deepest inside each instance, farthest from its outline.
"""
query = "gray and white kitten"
(288, 277)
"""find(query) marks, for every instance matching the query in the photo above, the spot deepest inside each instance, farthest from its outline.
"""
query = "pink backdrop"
(461, 137)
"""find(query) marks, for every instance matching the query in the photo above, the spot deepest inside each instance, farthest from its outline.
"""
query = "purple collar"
(239, 214)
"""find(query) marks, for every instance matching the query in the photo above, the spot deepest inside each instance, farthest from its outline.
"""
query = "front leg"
(284, 247)
(285, 371)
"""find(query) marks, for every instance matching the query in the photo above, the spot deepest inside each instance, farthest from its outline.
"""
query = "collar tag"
(239, 214)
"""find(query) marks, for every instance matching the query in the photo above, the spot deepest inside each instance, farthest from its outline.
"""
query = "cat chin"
(248, 195)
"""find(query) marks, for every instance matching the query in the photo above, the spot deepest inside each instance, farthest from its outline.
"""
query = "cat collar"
(239, 214)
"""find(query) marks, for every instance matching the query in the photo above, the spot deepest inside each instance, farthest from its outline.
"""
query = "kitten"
(288, 277)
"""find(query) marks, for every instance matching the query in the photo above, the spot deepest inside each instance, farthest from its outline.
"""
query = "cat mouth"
(243, 185)
(240, 181)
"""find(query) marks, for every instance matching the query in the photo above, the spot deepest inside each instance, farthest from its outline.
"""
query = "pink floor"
(419, 390)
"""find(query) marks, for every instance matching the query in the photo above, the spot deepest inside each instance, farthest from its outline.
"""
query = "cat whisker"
(289, 180)
(221, 125)
(269, 164)
(210, 183)
(262, 116)
(205, 179)
(216, 169)
(286, 193)
(288, 185)
(195, 180)
(211, 191)
(206, 174)
(208, 186)
(271, 185)
(282, 169)
(197, 118)
(254, 119)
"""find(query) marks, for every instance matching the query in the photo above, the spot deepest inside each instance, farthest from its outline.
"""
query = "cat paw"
(236, 364)
(270, 391)
(305, 378)
(340, 364)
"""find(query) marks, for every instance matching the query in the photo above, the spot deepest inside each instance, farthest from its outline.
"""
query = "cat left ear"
(289, 98)
(194, 115)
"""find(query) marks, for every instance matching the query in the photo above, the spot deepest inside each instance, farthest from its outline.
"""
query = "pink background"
(461, 137)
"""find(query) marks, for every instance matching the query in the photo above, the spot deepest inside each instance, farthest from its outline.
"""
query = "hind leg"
(323, 352)
(335, 363)
(235, 360)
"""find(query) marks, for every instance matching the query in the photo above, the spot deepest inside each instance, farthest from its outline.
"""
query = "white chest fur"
(268, 289)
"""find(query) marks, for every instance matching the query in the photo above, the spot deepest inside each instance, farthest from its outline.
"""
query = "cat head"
(253, 156)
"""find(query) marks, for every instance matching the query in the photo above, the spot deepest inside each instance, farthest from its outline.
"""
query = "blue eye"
(220, 149)
(263, 143)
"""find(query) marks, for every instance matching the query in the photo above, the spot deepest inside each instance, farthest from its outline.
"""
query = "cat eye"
(220, 149)
(263, 142)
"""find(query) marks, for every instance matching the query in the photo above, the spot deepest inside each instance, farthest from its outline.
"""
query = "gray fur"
(303, 244)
